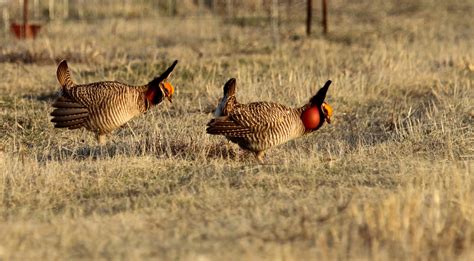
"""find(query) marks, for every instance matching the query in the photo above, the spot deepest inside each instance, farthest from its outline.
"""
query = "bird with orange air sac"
(102, 107)
(258, 126)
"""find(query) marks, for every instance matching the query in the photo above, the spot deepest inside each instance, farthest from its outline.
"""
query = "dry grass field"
(390, 178)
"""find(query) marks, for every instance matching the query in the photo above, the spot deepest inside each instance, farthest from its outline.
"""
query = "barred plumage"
(102, 107)
(259, 126)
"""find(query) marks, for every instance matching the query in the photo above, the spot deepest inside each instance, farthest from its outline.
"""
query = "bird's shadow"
(175, 149)
(48, 97)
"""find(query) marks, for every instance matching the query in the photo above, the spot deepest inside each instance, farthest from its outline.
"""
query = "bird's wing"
(73, 107)
(249, 118)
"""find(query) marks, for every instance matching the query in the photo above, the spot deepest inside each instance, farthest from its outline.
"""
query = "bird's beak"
(328, 119)
(327, 110)
(169, 90)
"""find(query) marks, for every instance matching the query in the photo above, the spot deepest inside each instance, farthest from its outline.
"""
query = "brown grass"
(391, 178)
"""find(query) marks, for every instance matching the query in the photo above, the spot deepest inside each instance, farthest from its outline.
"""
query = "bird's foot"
(101, 139)
(260, 155)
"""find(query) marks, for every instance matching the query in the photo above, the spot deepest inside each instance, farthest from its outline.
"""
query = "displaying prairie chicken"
(102, 107)
(259, 126)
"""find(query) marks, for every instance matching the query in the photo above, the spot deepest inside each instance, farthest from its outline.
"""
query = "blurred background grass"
(391, 178)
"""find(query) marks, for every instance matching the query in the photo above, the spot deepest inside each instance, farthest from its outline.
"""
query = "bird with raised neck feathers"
(102, 107)
(258, 126)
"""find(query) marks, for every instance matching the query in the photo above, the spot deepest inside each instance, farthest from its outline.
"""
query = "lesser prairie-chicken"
(259, 126)
(102, 107)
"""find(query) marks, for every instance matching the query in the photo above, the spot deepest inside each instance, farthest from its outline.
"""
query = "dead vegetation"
(391, 178)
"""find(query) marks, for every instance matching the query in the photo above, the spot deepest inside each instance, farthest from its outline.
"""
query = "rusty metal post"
(309, 16)
(325, 17)
(25, 18)
(229, 7)
(24, 30)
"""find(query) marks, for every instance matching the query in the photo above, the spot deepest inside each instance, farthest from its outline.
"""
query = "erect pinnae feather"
(63, 75)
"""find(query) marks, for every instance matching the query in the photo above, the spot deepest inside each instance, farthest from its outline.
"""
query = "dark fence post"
(25, 17)
(309, 16)
(325, 17)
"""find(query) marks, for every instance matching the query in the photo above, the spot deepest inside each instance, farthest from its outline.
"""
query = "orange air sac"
(311, 118)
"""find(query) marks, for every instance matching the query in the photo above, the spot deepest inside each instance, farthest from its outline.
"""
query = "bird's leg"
(101, 139)
(260, 155)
